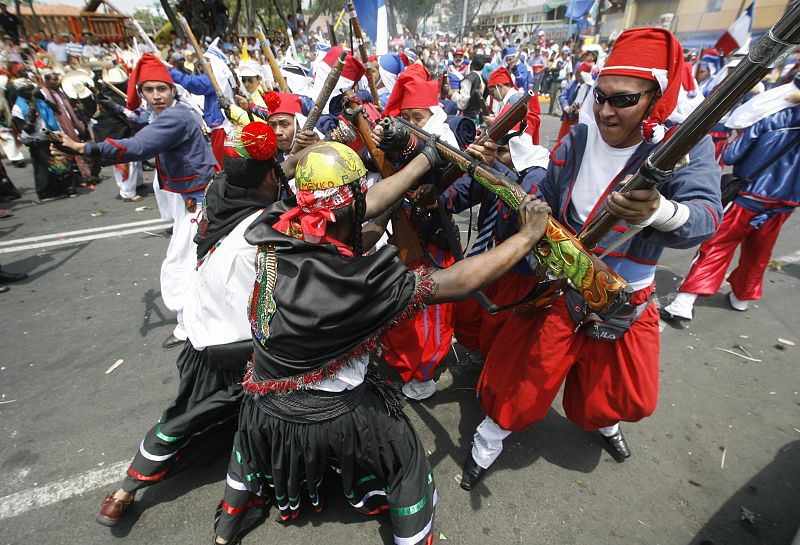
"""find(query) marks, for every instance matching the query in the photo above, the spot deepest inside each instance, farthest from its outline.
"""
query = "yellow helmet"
(328, 165)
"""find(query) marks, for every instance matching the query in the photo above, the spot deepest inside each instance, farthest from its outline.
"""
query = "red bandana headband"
(313, 212)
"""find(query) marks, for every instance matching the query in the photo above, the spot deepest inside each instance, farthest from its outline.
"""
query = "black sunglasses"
(625, 100)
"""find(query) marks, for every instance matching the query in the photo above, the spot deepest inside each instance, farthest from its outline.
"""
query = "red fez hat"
(149, 68)
(420, 94)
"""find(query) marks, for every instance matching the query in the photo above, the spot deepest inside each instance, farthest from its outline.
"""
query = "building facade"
(696, 22)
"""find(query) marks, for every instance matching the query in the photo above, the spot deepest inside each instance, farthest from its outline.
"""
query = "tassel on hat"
(253, 141)
(282, 103)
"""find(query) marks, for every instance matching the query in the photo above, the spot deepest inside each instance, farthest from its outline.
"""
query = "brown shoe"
(112, 510)
(135, 198)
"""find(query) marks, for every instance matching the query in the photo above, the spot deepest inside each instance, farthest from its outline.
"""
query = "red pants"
(416, 346)
(218, 144)
(606, 382)
(477, 329)
(711, 262)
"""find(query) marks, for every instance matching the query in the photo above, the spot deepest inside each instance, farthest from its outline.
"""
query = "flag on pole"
(578, 8)
(374, 20)
(222, 72)
(738, 34)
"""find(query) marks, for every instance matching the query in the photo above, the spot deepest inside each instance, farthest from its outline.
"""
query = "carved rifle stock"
(559, 253)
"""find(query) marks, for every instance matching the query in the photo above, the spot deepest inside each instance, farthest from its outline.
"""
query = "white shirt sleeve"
(461, 96)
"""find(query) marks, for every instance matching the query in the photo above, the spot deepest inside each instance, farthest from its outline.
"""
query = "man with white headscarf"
(390, 66)
(416, 346)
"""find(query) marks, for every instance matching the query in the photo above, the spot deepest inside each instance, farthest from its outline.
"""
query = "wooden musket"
(273, 63)
(558, 253)
(323, 97)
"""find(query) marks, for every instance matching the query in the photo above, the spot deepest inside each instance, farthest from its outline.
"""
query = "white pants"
(487, 444)
(170, 205)
(10, 146)
(127, 187)
(179, 267)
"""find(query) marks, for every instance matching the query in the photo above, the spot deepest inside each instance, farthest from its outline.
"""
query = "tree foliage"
(149, 20)
(411, 13)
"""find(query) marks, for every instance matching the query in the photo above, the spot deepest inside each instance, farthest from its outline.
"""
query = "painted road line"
(22, 502)
(791, 258)
(80, 232)
(87, 238)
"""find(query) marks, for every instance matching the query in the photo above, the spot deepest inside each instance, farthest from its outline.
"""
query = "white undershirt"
(216, 307)
(600, 165)
(347, 378)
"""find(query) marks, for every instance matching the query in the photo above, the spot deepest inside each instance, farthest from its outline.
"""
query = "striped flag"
(738, 34)
(373, 19)
(219, 65)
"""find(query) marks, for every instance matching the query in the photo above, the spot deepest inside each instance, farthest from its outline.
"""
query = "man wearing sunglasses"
(610, 369)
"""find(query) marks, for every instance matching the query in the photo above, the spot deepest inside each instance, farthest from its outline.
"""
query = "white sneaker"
(417, 390)
(681, 307)
(736, 304)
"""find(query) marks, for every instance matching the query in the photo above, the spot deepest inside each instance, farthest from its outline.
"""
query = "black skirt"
(379, 457)
(205, 398)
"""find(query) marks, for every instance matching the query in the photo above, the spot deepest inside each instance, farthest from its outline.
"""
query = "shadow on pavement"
(9, 228)
(792, 269)
(150, 300)
(667, 283)
(555, 439)
(30, 264)
(769, 499)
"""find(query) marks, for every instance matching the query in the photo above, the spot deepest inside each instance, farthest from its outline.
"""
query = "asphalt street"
(718, 463)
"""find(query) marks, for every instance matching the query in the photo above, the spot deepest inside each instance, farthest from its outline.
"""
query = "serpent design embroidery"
(560, 253)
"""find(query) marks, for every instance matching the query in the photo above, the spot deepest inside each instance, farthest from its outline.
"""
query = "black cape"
(329, 308)
(225, 206)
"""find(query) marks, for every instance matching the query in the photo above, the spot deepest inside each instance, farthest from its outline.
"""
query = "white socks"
(741, 306)
(488, 442)
(609, 431)
(417, 390)
(682, 305)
